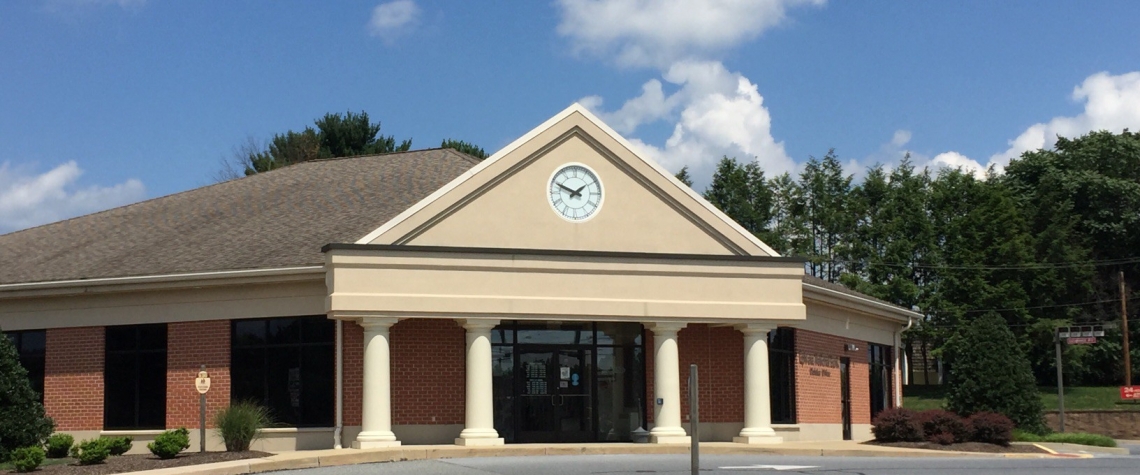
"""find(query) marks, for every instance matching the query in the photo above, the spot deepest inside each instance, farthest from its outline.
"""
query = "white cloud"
(661, 32)
(393, 19)
(718, 112)
(901, 137)
(27, 199)
(1111, 103)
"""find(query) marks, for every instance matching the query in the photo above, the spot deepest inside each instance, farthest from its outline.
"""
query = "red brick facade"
(189, 345)
(353, 383)
(718, 353)
(818, 382)
(73, 377)
(428, 371)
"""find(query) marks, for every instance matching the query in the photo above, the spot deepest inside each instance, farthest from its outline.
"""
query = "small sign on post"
(202, 384)
(1130, 393)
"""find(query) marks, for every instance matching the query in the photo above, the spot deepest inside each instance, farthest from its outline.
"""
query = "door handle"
(561, 400)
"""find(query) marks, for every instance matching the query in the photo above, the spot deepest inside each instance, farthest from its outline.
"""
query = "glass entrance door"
(555, 387)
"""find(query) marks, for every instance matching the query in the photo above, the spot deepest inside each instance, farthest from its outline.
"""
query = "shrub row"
(941, 427)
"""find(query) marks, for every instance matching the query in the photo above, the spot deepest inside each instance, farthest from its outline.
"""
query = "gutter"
(910, 315)
(162, 278)
(901, 362)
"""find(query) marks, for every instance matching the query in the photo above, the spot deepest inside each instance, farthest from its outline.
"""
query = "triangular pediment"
(505, 202)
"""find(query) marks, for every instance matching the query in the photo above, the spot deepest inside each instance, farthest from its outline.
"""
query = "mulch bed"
(964, 447)
(134, 463)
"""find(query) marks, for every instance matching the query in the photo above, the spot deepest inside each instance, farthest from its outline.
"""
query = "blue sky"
(107, 102)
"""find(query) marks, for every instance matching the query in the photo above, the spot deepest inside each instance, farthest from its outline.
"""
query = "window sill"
(786, 427)
(120, 433)
(292, 430)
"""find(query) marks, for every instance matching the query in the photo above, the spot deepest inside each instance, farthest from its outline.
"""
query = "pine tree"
(465, 147)
(989, 372)
(22, 419)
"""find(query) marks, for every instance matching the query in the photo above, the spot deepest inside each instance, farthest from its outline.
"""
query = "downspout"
(337, 432)
(901, 363)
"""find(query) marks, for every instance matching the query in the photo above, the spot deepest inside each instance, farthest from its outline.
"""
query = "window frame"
(139, 353)
(266, 348)
(782, 346)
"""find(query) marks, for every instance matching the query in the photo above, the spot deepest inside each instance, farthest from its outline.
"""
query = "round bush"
(91, 452)
(943, 425)
(170, 443)
(991, 428)
(26, 459)
(897, 424)
(119, 445)
(58, 445)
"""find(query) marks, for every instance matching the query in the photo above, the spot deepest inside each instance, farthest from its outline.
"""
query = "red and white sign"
(1130, 392)
(1081, 340)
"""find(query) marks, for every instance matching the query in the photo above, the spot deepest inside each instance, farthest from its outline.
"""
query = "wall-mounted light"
(851, 347)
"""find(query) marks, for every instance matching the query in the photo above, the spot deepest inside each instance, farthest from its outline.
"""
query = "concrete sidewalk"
(333, 457)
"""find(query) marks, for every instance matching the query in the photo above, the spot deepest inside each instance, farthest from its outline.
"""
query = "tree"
(683, 176)
(284, 150)
(741, 192)
(989, 372)
(22, 419)
(353, 134)
(464, 147)
(787, 227)
(828, 221)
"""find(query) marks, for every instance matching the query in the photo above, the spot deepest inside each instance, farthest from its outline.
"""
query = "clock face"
(575, 192)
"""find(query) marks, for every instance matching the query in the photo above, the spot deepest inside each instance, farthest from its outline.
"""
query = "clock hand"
(578, 191)
(564, 187)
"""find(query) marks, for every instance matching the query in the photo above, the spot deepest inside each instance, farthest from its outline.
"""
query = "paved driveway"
(739, 464)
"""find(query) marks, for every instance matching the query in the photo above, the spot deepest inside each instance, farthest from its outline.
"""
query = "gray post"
(1060, 386)
(202, 419)
(694, 422)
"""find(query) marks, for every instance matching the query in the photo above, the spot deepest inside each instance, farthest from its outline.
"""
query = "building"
(556, 292)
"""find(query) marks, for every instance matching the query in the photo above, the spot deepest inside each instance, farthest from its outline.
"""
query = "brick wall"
(353, 384)
(188, 346)
(818, 382)
(428, 371)
(73, 377)
(718, 353)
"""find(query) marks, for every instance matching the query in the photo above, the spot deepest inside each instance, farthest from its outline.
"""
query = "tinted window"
(782, 374)
(286, 364)
(134, 378)
(31, 345)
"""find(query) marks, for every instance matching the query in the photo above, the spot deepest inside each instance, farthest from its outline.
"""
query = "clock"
(575, 192)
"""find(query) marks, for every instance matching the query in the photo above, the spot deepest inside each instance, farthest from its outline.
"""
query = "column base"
(670, 439)
(758, 440)
(374, 444)
(480, 442)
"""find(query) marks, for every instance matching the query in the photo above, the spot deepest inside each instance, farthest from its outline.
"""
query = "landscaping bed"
(135, 463)
(965, 447)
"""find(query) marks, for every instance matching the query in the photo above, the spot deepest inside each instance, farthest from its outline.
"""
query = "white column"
(666, 385)
(376, 409)
(479, 427)
(757, 398)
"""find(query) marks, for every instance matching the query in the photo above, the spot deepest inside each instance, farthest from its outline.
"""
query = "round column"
(376, 409)
(666, 385)
(479, 416)
(757, 396)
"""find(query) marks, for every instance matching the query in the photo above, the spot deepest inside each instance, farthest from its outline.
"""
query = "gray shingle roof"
(270, 220)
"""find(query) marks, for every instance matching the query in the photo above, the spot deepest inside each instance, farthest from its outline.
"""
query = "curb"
(296, 460)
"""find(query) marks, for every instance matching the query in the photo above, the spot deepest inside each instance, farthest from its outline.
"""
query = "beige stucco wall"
(505, 205)
(544, 287)
(109, 306)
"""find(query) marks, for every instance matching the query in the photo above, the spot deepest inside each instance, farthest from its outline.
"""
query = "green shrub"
(897, 424)
(990, 428)
(58, 445)
(118, 445)
(990, 373)
(91, 452)
(1080, 438)
(170, 443)
(26, 459)
(22, 419)
(1022, 436)
(240, 423)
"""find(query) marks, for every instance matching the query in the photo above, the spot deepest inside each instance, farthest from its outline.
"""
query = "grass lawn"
(1076, 398)
(7, 466)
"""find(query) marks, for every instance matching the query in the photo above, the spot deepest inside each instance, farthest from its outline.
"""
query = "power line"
(1046, 306)
(1041, 265)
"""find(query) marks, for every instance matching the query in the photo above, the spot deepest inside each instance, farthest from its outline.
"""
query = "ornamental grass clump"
(240, 424)
(170, 443)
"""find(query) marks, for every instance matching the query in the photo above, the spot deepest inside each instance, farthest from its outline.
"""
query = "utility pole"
(1060, 384)
(1124, 328)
